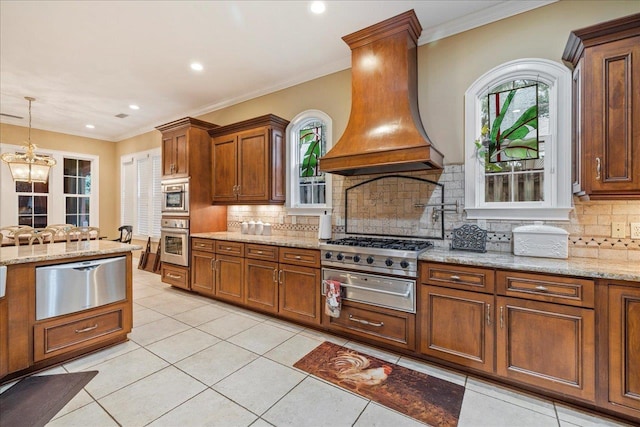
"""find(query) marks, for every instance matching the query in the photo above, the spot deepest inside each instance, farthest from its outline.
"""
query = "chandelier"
(28, 166)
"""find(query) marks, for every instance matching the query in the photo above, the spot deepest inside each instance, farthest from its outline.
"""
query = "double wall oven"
(174, 231)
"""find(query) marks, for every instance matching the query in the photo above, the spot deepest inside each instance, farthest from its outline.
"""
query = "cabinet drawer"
(540, 287)
(175, 275)
(206, 245)
(265, 252)
(230, 248)
(308, 257)
(71, 333)
(459, 277)
(378, 324)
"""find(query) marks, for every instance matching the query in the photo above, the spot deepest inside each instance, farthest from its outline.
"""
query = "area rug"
(426, 398)
(34, 400)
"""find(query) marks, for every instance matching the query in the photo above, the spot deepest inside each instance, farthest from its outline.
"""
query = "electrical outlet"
(635, 230)
(618, 229)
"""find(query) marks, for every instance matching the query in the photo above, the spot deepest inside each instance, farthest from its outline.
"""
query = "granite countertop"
(583, 267)
(52, 251)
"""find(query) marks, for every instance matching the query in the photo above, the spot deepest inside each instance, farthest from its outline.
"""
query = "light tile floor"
(193, 361)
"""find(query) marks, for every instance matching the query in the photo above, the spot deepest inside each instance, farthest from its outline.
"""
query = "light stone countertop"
(53, 251)
(582, 267)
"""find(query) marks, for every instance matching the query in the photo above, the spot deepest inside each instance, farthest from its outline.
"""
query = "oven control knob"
(388, 262)
(356, 258)
(328, 255)
(369, 260)
(404, 263)
(340, 256)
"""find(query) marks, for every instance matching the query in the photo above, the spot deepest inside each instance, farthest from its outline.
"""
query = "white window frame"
(133, 158)
(293, 205)
(558, 202)
(56, 203)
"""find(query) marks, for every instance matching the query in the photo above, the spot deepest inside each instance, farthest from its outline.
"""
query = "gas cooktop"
(382, 243)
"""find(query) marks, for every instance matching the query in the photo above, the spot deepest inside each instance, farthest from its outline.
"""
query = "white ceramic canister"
(244, 227)
(259, 227)
(252, 227)
(266, 229)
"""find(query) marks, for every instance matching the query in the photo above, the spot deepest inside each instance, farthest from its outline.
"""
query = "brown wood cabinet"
(248, 161)
(175, 275)
(261, 277)
(606, 61)
(4, 338)
(624, 348)
(229, 271)
(470, 339)
(182, 141)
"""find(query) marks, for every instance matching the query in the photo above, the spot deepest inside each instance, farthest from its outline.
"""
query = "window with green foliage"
(309, 137)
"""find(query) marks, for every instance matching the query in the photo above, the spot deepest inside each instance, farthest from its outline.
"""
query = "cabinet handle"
(542, 288)
(501, 317)
(366, 322)
(454, 277)
(275, 272)
(213, 264)
(173, 276)
(280, 277)
(90, 328)
(298, 257)
(259, 252)
(598, 168)
(488, 314)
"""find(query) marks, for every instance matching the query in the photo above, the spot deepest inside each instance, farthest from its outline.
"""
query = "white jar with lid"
(244, 227)
(266, 229)
(252, 227)
(259, 227)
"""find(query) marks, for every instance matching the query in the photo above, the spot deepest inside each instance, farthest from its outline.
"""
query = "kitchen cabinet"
(4, 337)
(299, 283)
(606, 62)
(229, 271)
(184, 141)
(175, 275)
(624, 347)
(202, 266)
(248, 161)
(261, 277)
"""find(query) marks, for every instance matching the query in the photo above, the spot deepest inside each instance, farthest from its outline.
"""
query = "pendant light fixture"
(28, 166)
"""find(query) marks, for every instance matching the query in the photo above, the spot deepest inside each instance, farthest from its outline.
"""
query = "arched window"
(518, 142)
(309, 138)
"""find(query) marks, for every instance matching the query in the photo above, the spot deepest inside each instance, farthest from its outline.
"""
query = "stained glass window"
(311, 146)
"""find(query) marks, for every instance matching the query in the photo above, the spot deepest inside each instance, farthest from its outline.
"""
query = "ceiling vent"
(122, 115)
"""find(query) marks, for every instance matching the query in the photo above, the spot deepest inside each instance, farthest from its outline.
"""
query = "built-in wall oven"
(174, 241)
(175, 196)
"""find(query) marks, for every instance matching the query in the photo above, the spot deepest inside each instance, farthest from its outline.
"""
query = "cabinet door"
(168, 155)
(202, 272)
(224, 163)
(624, 346)
(261, 285)
(175, 275)
(457, 326)
(229, 281)
(547, 345)
(253, 166)
(175, 154)
(611, 116)
(299, 296)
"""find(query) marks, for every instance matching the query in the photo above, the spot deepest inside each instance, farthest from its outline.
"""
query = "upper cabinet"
(248, 161)
(606, 63)
(182, 141)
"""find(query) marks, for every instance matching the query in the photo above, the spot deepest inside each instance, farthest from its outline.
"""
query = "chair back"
(30, 235)
(10, 229)
(82, 233)
(126, 233)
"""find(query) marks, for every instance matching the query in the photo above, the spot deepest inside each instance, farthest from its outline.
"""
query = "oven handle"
(175, 230)
(364, 288)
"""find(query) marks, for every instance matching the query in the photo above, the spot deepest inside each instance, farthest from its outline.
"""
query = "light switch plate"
(635, 230)
(618, 230)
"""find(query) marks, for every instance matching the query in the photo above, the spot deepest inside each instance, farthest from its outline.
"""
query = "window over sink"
(518, 142)
(308, 139)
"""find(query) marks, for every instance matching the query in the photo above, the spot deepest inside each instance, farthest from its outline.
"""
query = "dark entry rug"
(426, 398)
(34, 400)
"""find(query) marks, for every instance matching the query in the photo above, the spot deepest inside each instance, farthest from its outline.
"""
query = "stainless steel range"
(393, 262)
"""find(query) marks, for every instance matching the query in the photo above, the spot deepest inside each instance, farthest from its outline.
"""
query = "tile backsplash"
(390, 208)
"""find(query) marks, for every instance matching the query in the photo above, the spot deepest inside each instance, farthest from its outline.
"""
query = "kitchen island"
(40, 325)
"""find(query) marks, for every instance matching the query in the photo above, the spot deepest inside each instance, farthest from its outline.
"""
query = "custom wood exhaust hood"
(384, 133)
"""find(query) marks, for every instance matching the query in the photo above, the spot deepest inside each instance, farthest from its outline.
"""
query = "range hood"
(385, 132)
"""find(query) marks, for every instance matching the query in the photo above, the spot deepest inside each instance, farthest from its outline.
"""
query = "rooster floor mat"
(426, 398)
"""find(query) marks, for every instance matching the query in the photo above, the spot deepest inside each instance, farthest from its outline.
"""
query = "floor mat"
(34, 400)
(426, 398)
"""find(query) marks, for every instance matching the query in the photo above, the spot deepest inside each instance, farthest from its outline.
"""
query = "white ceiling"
(86, 61)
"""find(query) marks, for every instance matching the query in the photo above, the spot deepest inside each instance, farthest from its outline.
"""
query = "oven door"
(175, 199)
(382, 291)
(174, 246)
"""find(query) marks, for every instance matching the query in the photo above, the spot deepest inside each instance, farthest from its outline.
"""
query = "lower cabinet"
(175, 275)
(469, 340)
(547, 345)
(299, 295)
(229, 280)
(202, 272)
(261, 284)
(624, 346)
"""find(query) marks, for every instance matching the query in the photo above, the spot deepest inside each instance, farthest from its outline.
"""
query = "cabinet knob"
(454, 277)
(542, 288)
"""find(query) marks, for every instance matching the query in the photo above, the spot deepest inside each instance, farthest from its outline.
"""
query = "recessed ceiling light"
(317, 7)
(134, 107)
(90, 126)
(196, 66)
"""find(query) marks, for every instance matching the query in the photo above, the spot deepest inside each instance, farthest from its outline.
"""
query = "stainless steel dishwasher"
(67, 288)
